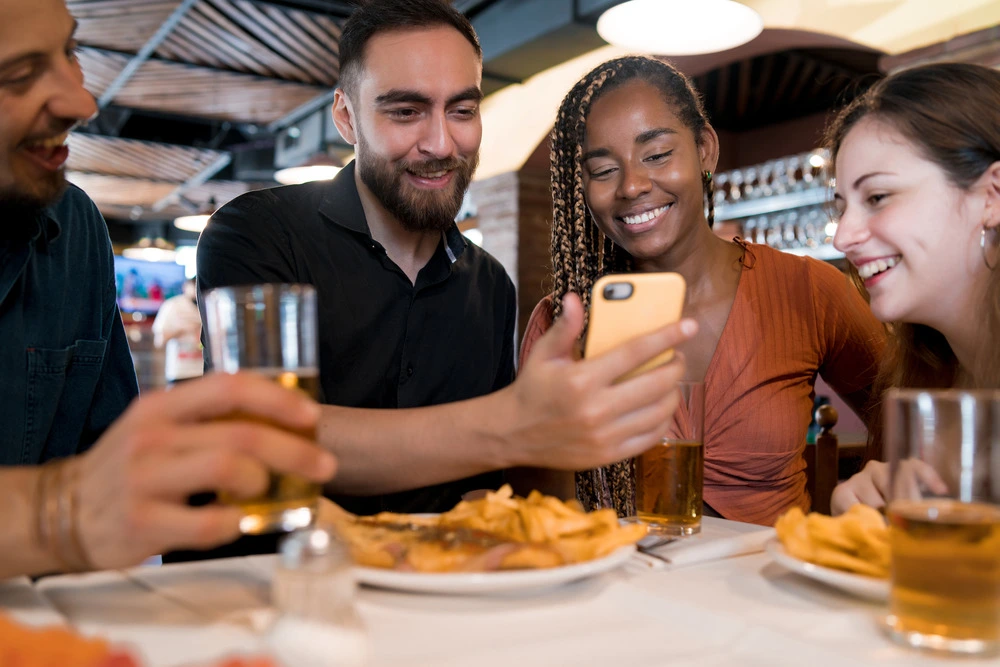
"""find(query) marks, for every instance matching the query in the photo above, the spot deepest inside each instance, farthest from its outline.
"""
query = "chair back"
(822, 460)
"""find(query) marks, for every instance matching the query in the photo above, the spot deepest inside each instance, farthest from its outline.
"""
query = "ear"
(343, 117)
(990, 183)
(708, 149)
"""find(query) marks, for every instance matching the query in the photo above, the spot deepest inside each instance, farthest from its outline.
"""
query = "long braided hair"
(581, 253)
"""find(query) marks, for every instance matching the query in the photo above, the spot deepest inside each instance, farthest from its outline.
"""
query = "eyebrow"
(400, 96)
(641, 138)
(864, 178)
(32, 55)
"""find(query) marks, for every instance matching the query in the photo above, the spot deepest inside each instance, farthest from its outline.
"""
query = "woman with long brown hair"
(632, 161)
(917, 161)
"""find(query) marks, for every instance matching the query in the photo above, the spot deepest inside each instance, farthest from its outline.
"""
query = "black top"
(384, 342)
(64, 359)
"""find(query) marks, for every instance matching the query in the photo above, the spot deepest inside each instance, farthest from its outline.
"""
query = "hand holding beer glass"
(270, 330)
(670, 476)
(944, 515)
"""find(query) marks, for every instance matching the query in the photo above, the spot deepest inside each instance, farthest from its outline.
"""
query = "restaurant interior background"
(201, 100)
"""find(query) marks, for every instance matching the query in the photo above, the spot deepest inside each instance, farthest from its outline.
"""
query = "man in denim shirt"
(66, 363)
(66, 376)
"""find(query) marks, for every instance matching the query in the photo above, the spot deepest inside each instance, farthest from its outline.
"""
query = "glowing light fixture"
(474, 235)
(196, 223)
(151, 250)
(679, 27)
(318, 168)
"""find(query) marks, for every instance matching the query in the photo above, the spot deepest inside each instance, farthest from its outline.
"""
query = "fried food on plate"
(497, 532)
(856, 541)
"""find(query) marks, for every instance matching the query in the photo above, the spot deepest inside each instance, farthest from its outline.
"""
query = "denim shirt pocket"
(60, 389)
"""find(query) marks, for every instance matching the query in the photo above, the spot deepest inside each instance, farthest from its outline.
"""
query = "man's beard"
(18, 199)
(416, 211)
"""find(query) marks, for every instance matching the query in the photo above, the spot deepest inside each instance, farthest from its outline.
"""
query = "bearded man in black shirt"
(411, 314)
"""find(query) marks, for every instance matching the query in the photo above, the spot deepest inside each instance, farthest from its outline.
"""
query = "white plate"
(477, 583)
(865, 587)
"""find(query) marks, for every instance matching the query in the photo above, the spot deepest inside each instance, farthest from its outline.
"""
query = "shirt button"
(409, 371)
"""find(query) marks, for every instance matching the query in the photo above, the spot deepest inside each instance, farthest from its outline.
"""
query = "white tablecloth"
(740, 611)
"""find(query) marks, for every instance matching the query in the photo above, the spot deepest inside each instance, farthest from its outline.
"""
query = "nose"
(437, 141)
(852, 230)
(69, 100)
(635, 182)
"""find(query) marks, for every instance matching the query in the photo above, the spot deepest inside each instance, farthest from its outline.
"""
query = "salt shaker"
(313, 592)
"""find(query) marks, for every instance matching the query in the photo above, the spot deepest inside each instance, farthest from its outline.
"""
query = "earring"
(707, 177)
(982, 245)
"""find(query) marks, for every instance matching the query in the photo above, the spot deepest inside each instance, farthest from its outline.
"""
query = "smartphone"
(626, 306)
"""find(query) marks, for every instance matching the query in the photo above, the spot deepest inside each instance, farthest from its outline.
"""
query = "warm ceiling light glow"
(679, 27)
(151, 250)
(192, 223)
(305, 174)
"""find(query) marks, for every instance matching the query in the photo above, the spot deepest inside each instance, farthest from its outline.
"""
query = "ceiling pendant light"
(320, 167)
(679, 27)
(197, 222)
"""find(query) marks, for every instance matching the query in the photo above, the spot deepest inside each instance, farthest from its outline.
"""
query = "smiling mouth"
(878, 266)
(48, 144)
(644, 217)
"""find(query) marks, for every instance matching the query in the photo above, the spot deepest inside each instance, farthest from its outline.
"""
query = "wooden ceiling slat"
(124, 157)
(122, 25)
(303, 43)
(209, 45)
(263, 60)
(180, 48)
(323, 31)
(253, 20)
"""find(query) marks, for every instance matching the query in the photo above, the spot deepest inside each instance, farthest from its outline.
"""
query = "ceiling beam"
(208, 172)
(145, 52)
(302, 111)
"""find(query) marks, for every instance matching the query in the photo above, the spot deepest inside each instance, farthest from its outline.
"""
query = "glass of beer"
(270, 330)
(944, 517)
(669, 477)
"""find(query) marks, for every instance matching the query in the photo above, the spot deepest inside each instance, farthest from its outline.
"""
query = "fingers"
(626, 357)
(221, 394)
(199, 470)
(558, 342)
(274, 449)
(182, 527)
(929, 478)
(842, 499)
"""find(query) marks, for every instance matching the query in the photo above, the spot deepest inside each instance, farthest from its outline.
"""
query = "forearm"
(20, 551)
(384, 451)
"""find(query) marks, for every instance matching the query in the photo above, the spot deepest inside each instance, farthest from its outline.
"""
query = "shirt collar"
(342, 205)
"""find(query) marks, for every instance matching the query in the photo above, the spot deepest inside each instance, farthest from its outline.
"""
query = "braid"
(581, 253)
(709, 185)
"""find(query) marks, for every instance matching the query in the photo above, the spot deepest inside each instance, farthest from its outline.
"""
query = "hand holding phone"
(625, 306)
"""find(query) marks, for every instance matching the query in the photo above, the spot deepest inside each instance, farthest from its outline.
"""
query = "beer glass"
(944, 517)
(669, 477)
(269, 330)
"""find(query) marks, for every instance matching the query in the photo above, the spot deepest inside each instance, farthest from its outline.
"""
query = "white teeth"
(644, 217)
(53, 142)
(877, 266)
(436, 174)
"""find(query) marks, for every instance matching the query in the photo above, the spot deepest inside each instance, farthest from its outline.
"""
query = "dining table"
(745, 609)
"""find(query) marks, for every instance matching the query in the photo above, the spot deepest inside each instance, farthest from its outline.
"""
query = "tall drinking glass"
(944, 515)
(269, 330)
(670, 476)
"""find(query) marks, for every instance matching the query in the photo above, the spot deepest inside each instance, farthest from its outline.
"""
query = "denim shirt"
(66, 371)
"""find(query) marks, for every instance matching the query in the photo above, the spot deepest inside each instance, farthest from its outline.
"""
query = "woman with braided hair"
(631, 166)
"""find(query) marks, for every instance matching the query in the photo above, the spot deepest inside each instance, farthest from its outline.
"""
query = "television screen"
(143, 286)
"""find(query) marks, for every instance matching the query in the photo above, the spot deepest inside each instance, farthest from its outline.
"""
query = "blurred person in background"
(632, 161)
(177, 330)
(918, 208)
(92, 477)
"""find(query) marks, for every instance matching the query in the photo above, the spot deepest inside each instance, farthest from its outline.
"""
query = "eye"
(72, 49)
(659, 156)
(601, 173)
(466, 112)
(404, 113)
(876, 199)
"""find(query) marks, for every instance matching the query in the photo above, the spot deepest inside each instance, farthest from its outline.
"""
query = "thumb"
(559, 340)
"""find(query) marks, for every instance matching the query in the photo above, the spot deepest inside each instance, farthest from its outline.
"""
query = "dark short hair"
(377, 16)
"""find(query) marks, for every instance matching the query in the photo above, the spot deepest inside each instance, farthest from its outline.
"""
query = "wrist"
(496, 422)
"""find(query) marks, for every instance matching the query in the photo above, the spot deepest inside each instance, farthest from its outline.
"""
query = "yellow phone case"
(656, 300)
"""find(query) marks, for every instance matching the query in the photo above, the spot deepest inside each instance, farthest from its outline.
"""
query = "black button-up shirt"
(384, 341)
(65, 368)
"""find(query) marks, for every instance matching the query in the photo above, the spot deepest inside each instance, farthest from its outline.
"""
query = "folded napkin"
(700, 549)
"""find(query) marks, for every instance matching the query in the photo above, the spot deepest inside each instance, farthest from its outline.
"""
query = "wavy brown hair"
(951, 113)
(581, 253)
